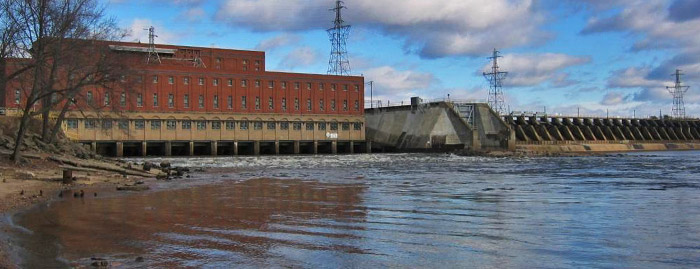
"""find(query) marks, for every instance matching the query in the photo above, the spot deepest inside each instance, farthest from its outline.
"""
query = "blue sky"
(598, 56)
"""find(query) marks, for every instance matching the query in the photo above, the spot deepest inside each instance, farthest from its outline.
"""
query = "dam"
(470, 126)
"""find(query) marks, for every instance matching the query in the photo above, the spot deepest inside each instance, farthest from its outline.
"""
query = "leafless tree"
(58, 41)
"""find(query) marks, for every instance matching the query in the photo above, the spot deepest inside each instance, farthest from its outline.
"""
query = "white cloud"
(138, 31)
(437, 28)
(535, 69)
(392, 84)
(612, 98)
(277, 41)
(300, 57)
(632, 77)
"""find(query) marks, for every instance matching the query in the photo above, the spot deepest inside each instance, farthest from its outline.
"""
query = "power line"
(495, 78)
(338, 64)
(678, 90)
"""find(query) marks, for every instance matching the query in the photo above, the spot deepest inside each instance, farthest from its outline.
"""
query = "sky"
(593, 57)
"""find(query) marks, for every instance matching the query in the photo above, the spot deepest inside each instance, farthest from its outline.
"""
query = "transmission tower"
(338, 64)
(495, 79)
(677, 91)
(152, 54)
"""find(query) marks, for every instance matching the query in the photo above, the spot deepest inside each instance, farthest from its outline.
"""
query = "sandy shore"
(39, 180)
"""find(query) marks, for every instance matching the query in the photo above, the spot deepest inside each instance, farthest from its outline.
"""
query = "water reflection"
(226, 223)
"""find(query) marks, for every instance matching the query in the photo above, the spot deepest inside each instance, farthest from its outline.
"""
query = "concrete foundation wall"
(426, 126)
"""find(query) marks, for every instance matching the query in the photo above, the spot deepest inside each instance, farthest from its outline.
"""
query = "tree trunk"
(17, 152)
(46, 111)
(57, 126)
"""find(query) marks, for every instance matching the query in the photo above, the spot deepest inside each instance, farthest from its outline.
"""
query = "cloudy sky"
(565, 55)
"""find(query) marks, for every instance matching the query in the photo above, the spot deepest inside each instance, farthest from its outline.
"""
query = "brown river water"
(384, 210)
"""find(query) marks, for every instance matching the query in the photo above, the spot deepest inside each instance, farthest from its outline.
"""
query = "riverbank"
(39, 178)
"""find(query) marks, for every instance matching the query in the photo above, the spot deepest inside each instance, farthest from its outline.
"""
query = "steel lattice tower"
(495, 79)
(152, 53)
(678, 91)
(338, 64)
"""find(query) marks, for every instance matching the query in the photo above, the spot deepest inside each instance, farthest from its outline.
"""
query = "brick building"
(210, 101)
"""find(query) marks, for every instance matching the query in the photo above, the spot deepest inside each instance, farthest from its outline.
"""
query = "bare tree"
(59, 40)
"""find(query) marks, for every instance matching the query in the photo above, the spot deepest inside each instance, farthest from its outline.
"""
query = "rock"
(25, 175)
(99, 262)
(165, 164)
(147, 166)
(139, 259)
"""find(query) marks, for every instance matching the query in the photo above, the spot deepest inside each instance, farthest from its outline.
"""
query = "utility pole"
(495, 78)
(678, 90)
(152, 53)
(371, 99)
(338, 64)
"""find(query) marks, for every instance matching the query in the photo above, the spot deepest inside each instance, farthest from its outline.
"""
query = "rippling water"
(390, 210)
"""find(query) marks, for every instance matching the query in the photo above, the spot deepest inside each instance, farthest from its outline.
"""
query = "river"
(386, 210)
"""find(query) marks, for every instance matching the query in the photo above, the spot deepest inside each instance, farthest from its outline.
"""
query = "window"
(271, 103)
(186, 100)
(244, 83)
(218, 60)
(320, 105)
(284, 104)
(284, 84)
(139, 100)
(139, 79)
(270, 84)
(215, 82)
(296, 85)
(357, 88)
(171, 124)
(201, 81)
(309, 126)
(257, 62)
(155, 79)
(216, 125)
(201, 101)
(88, 96)
(89, 124)
(309, 106)
(122, 99)
(186, 124)
(271, 125)
(243, 125)
(243, 102)
(357, 105)
(297, 126)
(216, 101)
(321, 86)
(334, 126)
(106, 99)
(230, 125)
(124, 124)
(229, 102)
(122, 78)
(106, 124)
(322, 126)
(357, 126)
(139, 124)
(257, 103)
(201, 125)
(171, 100)
(345, 87)
(17, 96)
(72, 123)
(186, 80)
(345, 105)
(346, 126)
(245, 62)
(171, 80)
(155, 99)
(308, 86)
(332, 87)
(230, 82)
(155, 124)
(333, 104)
(296, 104)
(257, 83)
(284, 125)
(257, 125)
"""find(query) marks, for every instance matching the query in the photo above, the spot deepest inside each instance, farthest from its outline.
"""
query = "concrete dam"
(453, 125)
